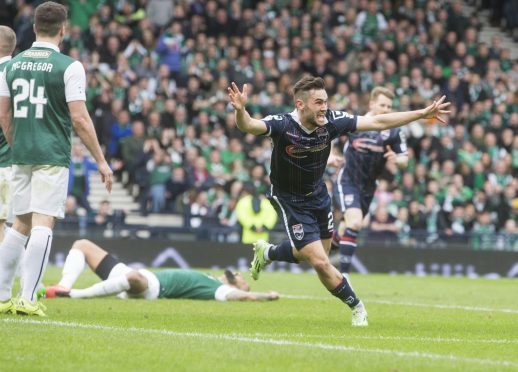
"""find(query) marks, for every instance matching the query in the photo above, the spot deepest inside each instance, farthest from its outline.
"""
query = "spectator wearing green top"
(159, 168)
(79, 176)
(234, 152)
(132, 150)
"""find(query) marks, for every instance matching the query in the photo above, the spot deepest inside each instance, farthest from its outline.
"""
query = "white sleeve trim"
(4, 88)
(223, 291)
(75, 82)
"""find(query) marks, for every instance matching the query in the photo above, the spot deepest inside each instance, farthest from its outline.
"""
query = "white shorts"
(153, 285)
(39, 188)
(5, 194)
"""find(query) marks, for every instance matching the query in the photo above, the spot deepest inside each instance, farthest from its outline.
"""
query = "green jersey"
(5, 150)
(41, 81)
(178, 283)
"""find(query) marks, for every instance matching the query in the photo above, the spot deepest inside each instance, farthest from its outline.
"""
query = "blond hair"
(381, 91)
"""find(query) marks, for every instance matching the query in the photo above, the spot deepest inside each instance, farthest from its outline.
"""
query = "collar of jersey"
(44, 44)
(5, 59)
(295, 116)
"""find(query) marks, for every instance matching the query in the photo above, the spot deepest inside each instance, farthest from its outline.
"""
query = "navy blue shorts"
(305, 218)
(352, 196)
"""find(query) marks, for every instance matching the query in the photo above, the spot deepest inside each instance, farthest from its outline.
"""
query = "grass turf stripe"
(270, 341)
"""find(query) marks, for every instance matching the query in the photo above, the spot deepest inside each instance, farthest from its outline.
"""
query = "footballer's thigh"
(92, 252)
(39, 188)
(298, 219)
(353, 218)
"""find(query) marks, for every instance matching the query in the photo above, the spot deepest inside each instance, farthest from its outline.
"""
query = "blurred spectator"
(132, 151)
(199, 210)
(103, 217)
(160, 12)
(383, 226)
(120, 129)
(79, 176)
(175, 186)
(169, 49)
(255, 215)
(159, 168)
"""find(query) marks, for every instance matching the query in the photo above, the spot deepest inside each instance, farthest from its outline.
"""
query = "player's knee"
(137, 282)
(354, 225)
(79, 244)
(321, 265)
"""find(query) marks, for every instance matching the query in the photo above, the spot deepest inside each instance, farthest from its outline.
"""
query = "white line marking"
(436, 306)
(397, 338)
(256, 340)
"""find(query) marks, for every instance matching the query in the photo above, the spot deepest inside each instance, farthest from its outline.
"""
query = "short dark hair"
(305, 84)
(49, 17)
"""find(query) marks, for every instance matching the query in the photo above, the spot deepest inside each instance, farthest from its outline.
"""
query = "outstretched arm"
(397, 119)
(244, 121)
(239, 295)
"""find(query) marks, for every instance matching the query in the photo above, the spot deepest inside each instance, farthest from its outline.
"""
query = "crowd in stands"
(158, 71)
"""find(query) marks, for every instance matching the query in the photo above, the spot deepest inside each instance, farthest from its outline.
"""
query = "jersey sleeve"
(399, 143)
(75, 82)
(275, 125)
(4, 88)
(223, 291)
(344, 122)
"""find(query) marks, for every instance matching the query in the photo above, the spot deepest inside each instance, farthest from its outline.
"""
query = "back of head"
(7, 41)
(49, 17)
(306, 84)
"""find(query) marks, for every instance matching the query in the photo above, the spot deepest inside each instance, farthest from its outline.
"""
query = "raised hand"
(436, 110)
(237, 99)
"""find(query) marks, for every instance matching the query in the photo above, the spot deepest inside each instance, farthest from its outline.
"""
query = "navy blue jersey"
(363, 155)
(299, 156)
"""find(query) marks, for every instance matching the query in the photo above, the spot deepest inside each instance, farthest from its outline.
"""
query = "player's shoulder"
(334, 115)
(281, 117)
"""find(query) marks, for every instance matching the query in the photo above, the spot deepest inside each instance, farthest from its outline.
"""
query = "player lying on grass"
(119, 279)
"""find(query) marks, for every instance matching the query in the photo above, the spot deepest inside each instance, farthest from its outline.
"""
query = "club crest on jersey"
(385, 134)
(322, 133)
(348, 199)
(298, 231)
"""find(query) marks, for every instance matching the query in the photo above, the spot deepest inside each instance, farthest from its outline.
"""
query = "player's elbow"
(79, 121)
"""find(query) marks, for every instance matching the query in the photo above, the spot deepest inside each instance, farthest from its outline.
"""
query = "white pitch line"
(385, 302)
(269, 341)
(396, 338)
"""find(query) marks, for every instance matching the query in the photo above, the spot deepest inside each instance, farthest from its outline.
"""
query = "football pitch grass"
(416, 324)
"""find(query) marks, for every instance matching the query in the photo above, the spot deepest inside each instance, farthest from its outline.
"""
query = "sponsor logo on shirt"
(297, 151)
(37, 53)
